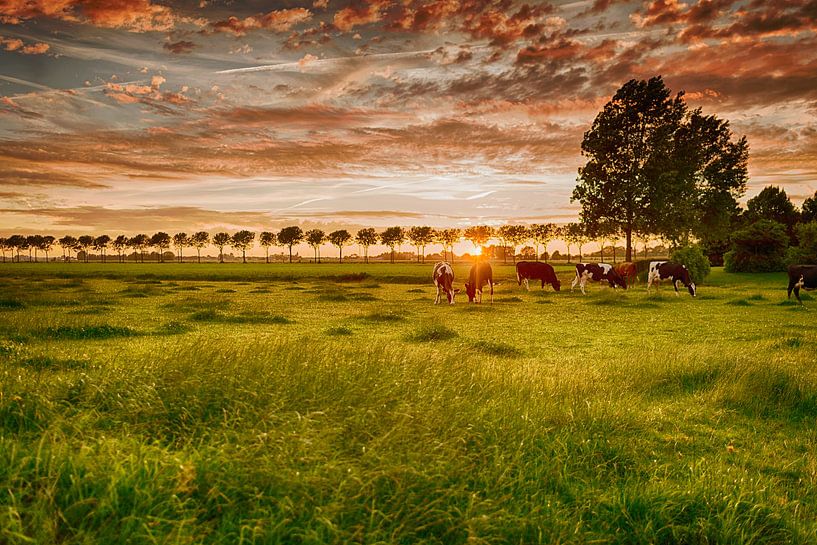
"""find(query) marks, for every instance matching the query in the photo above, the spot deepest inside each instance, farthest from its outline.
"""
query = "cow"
(663, 270)
(443, 277)
(479, 275)
(802, 276)
(527, 270)
(627, 270)
(597, 272)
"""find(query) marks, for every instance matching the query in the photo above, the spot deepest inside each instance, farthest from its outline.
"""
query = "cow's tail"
(518, 277)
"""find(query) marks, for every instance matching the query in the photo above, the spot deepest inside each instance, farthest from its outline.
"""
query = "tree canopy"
(654, 166)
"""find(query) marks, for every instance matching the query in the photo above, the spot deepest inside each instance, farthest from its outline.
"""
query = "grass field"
(315, 404)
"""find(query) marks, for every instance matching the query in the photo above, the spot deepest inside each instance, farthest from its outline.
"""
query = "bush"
(806, 252)
(760, 247)
(695, 261)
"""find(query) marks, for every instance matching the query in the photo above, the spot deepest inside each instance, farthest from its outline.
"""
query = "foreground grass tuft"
(431, 333)
(87, 332)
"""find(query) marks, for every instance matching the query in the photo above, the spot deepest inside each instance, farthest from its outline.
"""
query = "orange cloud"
(16, 44)
(352, 16)
(132, 15)
(277, 20)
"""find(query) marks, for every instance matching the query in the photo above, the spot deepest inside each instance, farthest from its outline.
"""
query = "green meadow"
(149, 403)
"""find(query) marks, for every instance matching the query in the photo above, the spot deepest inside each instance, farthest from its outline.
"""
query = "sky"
(126, 116)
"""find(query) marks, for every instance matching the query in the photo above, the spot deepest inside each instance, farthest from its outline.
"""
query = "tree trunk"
(290, 253)
(628, 233)
(243, 255)
(198, 254)
(340, 250)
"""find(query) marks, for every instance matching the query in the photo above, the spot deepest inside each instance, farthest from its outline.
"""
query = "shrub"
(806, 251)
(760, 247)
(695, 261)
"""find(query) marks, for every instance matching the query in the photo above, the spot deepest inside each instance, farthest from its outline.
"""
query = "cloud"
(277, 21)
(131, 15)
(365, 13)
(180, 47)
(16, 44)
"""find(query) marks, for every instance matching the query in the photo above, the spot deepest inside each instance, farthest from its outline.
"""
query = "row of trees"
(508, 237)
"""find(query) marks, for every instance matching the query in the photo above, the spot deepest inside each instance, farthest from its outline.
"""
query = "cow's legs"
(575, 281)
(491, 284)
(649, 281)
(527, 285)
(437, 299)
(675, 283)
(582, 282)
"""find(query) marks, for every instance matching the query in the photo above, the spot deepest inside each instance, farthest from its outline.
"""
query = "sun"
(478, 251)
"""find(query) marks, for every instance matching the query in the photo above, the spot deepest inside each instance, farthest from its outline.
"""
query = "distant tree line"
(508, 237)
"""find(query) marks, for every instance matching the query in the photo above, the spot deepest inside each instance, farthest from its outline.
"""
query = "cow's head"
(557, 285)
(617, 279)
(470, 291)
(692, 289)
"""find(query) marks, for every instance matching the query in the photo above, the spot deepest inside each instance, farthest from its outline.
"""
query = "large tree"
(448, 237)
(220, 240)
(242, 241)
(139, 243)
(181, 241)
(366, 237)
(773, 204)
(654, 165)
(340, 238)
(101, 245)
(85, 242)
(267, 239)
(199, 240)
(393, 237)
(119, 244)
(161, 241)
(289, 237)
(68, 244)
(315, 238)
(421, 237)
(808, 212)
(478, 235)
(541, 234)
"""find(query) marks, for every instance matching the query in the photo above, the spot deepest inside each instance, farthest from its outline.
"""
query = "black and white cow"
(802, 276)
(663, 270)
(598, 272)
(479, 275)
(443, 277)
(535, 270)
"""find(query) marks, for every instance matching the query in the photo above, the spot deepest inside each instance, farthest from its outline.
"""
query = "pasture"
(314, 404)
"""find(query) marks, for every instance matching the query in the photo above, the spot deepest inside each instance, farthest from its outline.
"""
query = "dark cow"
(628, 271)
(534, 270)
(663, 270)
(802, 276)
(597, 272)
(479, 275)
(443, 276)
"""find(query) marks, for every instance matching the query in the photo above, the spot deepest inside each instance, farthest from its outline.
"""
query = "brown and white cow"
(628, 271)
(479, 275)
(664, 270)
(598, 272)
(443, 277)
(535, 270)
(802, 276)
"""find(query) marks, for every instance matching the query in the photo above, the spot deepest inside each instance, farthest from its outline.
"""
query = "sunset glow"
(141, 116)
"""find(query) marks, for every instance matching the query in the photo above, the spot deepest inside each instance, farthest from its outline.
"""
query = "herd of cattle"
(481, 275)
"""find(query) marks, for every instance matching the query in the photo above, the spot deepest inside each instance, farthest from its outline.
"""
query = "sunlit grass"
(344, 409)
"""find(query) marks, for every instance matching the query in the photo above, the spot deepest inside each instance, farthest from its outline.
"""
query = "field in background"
(334, 403)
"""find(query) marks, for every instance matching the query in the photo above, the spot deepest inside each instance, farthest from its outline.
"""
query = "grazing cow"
(663, 270)
(479, 275)
(534, 270)
(627, 270)
(597, 272)
(443, 276)
(802, 276)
